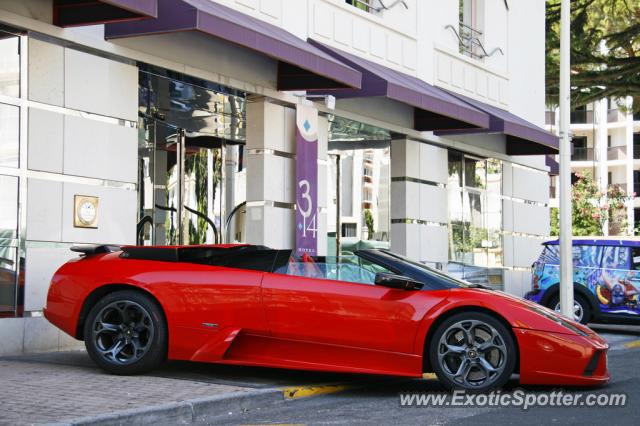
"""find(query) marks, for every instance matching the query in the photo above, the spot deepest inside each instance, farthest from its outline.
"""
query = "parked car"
(375, 312)
(606, 279)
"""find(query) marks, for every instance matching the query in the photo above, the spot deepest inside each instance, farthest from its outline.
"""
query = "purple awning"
(68, 13)
(554, 166)
(300, 65)
(435, 109)
(523, 137)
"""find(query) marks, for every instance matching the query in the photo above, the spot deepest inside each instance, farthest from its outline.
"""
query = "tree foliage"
(605, 50)
(593, 210)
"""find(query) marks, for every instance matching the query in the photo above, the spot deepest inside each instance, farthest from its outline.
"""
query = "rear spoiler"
(90, 249)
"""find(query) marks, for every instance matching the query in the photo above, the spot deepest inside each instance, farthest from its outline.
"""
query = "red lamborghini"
(375, 312)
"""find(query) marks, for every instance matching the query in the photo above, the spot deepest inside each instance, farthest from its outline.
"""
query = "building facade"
(606, 144)
(178, 122)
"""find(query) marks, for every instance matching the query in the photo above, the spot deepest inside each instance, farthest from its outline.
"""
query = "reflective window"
(9, 135)
(8, 207)
(589, 256)
(475, 219)
(358, 184)
(8, 249)
(346, 268)
(9, 64)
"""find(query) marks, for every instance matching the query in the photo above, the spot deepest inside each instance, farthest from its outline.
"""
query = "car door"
(310, 303)
(619, 285)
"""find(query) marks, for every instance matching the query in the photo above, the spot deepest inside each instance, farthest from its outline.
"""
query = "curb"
(202, 410)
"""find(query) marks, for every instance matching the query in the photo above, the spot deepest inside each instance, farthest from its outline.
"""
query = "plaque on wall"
(85, 211)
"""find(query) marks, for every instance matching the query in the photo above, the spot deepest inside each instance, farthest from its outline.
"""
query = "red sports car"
(375, 312)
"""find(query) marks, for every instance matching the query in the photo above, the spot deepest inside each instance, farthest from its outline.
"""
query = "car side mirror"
(397, 281)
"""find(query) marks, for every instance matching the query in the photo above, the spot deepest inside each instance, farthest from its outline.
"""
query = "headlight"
(558, 319)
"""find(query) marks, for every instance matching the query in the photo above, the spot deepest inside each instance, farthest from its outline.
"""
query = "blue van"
(606, 279)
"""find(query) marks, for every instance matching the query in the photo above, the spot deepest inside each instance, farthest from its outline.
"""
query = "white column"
(566, 265)
(600, 149)
(419, 201)
(629, 165)
(271, 173)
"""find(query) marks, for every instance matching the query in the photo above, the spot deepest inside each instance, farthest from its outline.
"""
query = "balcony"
(617, 153)
(581, 117)
(582, 154)
(614, 115)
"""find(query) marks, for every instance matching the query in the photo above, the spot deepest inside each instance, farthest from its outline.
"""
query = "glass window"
(9, 64)
(9, 135)
(615, 257)
(8, 207)
(635, 253)
(587, 256)
(346, 268)
(8, 274)
(550, 255)
(8, 251)
(475, 173)
(455, 170)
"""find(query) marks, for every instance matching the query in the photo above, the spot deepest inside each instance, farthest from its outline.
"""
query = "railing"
(581, 117)
(582, 154)
(469, 42)
(550, 117)
(617, 153)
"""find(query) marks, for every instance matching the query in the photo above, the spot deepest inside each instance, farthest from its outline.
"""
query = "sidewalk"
(45, 393)
(67, 388)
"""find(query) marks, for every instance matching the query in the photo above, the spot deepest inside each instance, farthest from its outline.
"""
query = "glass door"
(180, 180)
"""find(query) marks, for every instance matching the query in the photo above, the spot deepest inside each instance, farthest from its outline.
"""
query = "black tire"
(577, 299)
(123, 347)
(502, 358)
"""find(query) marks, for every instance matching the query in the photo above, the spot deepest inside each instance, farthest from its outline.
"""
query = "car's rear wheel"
(581, 308)
(472, 351)
(125, 333)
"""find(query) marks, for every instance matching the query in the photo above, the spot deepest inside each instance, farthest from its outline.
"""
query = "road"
(381, 404)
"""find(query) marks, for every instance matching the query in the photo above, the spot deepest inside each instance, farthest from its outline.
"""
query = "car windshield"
(439, 276)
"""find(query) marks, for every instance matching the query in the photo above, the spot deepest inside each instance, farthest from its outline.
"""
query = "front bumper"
(562, 359)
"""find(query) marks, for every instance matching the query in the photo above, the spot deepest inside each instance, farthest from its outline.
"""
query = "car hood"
(520, 313)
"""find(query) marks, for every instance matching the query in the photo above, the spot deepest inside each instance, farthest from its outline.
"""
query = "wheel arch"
(99, 292)
(426, 364)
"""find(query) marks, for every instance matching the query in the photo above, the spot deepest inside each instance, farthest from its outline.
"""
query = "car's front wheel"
(472, 351)
(125, 333)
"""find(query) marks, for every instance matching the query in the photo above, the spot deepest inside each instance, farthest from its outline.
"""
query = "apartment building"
(606, 144)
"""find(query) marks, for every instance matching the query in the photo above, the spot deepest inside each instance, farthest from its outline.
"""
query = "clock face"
(86, 211)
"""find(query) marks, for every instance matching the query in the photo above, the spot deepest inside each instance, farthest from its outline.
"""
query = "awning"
(435, 109)
(523, 137)
(67, 13)
(554, 166)
(300, 67)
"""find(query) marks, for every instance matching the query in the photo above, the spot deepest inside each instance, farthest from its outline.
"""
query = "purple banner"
(306, 181)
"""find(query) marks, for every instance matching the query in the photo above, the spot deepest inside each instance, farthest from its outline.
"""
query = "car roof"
(600, 241)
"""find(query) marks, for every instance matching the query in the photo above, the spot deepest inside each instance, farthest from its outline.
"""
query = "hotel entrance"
(191, 171)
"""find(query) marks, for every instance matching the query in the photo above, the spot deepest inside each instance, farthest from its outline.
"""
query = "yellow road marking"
(429, 376)
(634, 344)
(296, 392)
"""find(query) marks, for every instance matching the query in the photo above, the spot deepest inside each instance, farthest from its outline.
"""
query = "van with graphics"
(606, 279)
